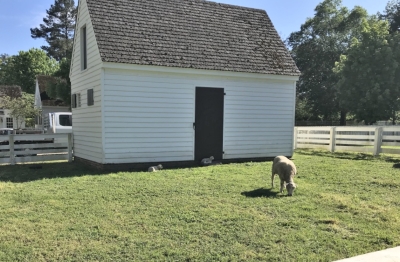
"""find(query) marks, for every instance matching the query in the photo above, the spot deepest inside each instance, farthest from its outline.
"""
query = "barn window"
(90, 99)
(10, 122)
(73, 101)
(83, 48)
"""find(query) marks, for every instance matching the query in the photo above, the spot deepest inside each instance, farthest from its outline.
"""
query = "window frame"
(83, 35)
(9, 122)
(62, 119)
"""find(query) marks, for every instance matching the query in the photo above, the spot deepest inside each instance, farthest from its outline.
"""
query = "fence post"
(69, 147)
(11, 145)
(378, 141)
(332, 141)
(295, 138)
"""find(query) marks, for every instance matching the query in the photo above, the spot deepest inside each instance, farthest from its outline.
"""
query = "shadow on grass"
(348, 155)
(261, 192)
(38, 171)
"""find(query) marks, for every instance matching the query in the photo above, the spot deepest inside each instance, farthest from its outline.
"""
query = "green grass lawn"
(345, 205)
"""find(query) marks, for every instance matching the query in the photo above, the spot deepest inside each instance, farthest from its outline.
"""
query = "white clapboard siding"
(272, 137)
(149, 117)
(86, 119)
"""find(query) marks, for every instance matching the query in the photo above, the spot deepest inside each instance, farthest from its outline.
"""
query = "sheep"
(207, 161)
(286, 170)
(155, 168)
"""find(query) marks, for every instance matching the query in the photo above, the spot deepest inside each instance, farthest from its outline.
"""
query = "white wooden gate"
(36, 148)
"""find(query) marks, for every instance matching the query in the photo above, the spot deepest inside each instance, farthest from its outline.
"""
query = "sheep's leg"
(282, 185)
(272, 179)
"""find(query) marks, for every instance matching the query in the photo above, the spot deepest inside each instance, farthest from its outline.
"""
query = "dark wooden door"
(209, 123)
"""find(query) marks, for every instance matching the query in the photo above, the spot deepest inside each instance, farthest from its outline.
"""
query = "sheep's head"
(211, 158)
(290, 187)
(160, 167)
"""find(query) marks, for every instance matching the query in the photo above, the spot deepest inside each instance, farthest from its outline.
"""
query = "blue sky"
(18, 16)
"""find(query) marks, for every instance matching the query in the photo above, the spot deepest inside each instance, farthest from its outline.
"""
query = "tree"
(23, 68)
(21, 109)
(302, 109)
(3, 62)
(58, 29)
(392, 15)
(62, 87)
(369, 74)
(315, 49)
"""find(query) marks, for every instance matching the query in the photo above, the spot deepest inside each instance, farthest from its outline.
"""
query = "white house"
(45, 103)
(6, 119)
(174, 81)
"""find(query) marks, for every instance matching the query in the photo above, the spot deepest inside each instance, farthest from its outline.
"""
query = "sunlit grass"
(346, 204)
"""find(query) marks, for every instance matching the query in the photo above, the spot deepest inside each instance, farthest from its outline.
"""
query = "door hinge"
(194, 126)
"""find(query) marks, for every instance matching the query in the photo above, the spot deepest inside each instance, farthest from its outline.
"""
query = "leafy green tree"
(62, 87)
(315, 49)
(21, 109)
(58, 29)
(3, 63)
(369, 74)
(392, 15)
(23, 68)
(302, 109)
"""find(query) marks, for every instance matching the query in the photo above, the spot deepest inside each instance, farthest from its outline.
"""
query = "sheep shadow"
(261, 192)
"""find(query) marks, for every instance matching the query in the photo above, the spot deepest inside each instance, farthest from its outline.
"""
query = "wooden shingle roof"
(13, 91)
(44, 81)
(189, 34)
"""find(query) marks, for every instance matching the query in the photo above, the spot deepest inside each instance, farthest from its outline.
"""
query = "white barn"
(174, 81)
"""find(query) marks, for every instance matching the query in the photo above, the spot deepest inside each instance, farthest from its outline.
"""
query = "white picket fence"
(36, 148)
(370, 139)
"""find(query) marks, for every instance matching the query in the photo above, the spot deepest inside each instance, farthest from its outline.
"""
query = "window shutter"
(73, 101)
(90, 99)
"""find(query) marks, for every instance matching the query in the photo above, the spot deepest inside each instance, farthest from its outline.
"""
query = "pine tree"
(392, 15)
(58, 29)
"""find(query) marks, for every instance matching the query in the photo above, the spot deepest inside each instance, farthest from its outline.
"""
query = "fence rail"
(371, 139)
(35, 148)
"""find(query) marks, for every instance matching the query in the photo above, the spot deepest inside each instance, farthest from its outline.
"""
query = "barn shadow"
(261, 192)
(23, 173)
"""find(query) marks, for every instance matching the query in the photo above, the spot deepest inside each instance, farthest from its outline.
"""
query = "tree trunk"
(343, 118)
(394, 118)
